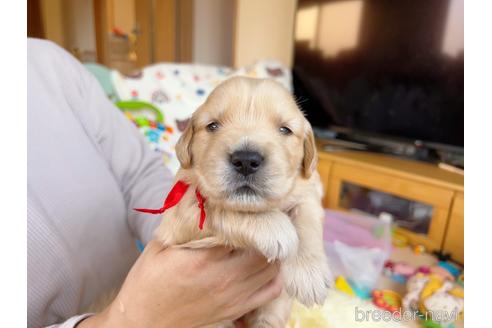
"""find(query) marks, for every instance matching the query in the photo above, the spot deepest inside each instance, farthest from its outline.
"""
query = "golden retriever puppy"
(250, 154)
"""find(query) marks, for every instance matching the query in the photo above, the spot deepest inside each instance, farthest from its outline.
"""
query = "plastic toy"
(389, 265)
(399, 278)
(452, 269)
(152, 135)
(419, 249)
(461, 280)
(342, 285)
(431, 294)
(156, 131)
(424, 269)
(399, 271)
(399, 240)
(387, 300)
(442, 272)
(379, 230)
(360, 291)
(142, 122)
(136, 105)
(388, 268)
(404, 269)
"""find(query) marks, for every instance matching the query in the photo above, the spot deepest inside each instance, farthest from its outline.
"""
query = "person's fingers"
(211, 254)
(240, 324)
(247, 263)
(218, 253)
(153, 247)
(265, 294)
(214, 244)
(261, 278)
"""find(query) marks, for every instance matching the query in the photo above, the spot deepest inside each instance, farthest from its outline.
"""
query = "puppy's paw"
(278, 241)
(308, 281)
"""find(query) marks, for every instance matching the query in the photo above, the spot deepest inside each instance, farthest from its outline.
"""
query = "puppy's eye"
(212, 126)
(285, 130)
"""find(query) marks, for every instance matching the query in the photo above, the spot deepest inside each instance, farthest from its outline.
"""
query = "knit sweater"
(87, 168)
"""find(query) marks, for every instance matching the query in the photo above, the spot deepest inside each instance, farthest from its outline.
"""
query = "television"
(391, 69)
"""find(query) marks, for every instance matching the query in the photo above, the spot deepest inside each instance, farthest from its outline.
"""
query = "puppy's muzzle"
(246, 162)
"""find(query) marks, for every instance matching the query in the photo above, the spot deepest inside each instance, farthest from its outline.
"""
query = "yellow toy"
(342, 285)
(418, 249)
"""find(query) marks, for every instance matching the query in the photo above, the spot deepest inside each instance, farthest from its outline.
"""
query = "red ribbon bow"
(175, 195)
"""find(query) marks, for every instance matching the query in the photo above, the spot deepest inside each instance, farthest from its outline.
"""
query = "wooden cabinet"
(454, 240)
(425, 200)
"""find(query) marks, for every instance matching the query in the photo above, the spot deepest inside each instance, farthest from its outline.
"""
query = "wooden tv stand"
(409, 180)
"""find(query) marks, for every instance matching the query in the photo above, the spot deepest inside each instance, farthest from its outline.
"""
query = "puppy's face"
(247, 144)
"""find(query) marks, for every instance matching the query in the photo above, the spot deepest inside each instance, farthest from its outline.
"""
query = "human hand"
(176, 287)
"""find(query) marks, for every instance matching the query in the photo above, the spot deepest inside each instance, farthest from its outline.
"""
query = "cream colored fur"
(285, 222)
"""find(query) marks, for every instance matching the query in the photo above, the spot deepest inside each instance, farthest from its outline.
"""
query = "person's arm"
(140, 172)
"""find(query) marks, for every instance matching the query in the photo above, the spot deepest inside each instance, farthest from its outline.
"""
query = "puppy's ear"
(310, 154)
(183, 146)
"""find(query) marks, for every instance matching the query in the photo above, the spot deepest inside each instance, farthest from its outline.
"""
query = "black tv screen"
(390, 67)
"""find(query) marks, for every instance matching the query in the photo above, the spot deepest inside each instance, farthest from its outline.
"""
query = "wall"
(79, 24)
(213, 32)
(264, 29)
(70, 24)
(453, 41)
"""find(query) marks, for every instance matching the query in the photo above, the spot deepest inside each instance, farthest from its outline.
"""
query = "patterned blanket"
(175, 91)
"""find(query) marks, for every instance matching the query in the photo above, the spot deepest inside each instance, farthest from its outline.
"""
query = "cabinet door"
(454, 242)
(324, 168)
(420, 210)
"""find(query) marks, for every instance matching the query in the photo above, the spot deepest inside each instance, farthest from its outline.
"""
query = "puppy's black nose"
(246, 162)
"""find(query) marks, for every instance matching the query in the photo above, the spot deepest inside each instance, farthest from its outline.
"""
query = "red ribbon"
(174, 197)
(201, 202)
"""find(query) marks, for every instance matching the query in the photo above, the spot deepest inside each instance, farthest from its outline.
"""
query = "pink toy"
(443, 273)
(403, 269)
